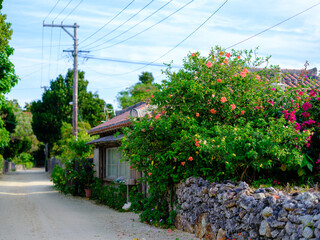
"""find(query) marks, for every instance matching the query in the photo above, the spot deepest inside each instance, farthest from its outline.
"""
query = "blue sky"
(39, 58)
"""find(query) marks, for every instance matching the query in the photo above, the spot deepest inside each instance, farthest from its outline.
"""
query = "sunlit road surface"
(31, 209)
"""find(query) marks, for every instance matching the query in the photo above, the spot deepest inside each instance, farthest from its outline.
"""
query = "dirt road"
(31, 209)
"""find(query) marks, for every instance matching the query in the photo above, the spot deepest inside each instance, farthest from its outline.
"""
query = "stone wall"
(230, 210)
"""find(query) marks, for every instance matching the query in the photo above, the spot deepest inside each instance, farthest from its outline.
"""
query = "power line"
(267, 29)
(63, 10)
(108, 22)
(151, 63)
(143, 20)
(51, 10)
(92, 49)
(128, 61)
(72, 11)
(120, 24)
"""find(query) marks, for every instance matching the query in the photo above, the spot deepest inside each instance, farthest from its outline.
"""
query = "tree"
(22, 140)
(55, 108)
(8, 78)
(141, 91)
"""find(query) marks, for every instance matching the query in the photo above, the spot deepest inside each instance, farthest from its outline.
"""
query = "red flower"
(242, 112)
(190, 158)
(228, 55)
(197, 114)
(238, 57)
(170, 95)
(223, 99)
(233, 107)
(209, 64)
(219, 80)
(213, 111)
(157, 116)
(226, 61)
(193, 54)
(149, 174)
(243, 74)
(183, 163)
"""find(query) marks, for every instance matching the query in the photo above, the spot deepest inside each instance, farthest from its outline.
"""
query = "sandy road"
(31, 209)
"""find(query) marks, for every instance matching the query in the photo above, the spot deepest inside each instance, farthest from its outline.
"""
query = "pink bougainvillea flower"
(297, 127)
(271, 102)
(149, 174)
(213, 111)
(209, 64)
(169, 231)
(190, 159)
(193, 54)
(306, 106)
(245, 70)
(258, 77)
(219, 80)
(273, 89)
(157, 116)
(238, 57)
(223, 99)
(233, 107)
(152, 96)
(301, 93)
(318, 99)
(235, 75)
(305, 114)
(197, 114)
(183, 163)
(213, 95)
(228, 55)
(242, 112)
(312, 93)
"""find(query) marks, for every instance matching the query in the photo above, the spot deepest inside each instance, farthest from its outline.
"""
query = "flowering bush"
(219, 118)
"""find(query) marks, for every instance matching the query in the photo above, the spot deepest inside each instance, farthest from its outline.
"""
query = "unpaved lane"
(31, 209)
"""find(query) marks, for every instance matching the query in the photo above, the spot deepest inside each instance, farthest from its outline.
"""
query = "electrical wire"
(51, 10)
(269, 28)
(128, 61)
(107, 22)
(120, 24)
(72, 10)
(122, 41)
(151, 63)
(62, 10)
(143, 20)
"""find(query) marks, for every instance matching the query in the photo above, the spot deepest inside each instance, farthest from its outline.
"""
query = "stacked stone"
(225, 210)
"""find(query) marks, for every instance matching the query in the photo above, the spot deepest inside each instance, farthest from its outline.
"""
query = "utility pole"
(75, 71)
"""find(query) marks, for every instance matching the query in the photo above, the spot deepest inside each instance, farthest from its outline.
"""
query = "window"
(115, 168)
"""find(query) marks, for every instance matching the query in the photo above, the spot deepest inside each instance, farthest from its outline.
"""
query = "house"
(106, 147)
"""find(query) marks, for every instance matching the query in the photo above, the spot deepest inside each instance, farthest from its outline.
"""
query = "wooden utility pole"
(75, 71)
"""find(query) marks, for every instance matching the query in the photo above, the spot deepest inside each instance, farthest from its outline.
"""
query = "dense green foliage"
(55, 108)
(22, 140)
(141, 91)
(8, 78)
(67, 147)
(218, 120)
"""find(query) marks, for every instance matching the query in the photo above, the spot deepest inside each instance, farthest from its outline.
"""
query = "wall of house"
(235, 211)
(96, 161)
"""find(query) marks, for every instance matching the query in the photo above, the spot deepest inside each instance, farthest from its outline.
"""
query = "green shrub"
(58, 177)
(218, 120)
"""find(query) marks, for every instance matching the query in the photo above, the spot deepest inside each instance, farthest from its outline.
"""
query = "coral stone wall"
(230, 210)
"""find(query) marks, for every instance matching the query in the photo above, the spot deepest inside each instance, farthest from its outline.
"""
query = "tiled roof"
(121, 120)
(295, 78)
(111, 138)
